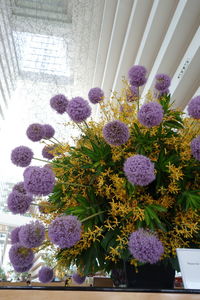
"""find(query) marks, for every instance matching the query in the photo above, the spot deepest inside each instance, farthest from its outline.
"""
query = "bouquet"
(128, 189)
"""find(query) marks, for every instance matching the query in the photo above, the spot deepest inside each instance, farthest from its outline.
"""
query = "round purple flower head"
(195, 147)
(14, 235)
(136, 75)
(65, 231)
(78, 278)
(39, 181)
(45, 274)
(78, 109)
(194, 108)
(132, 94)
(20, 256)
(95, 95)
(21, 156)
(20, 269)
(59, 103)
(150, 114)
(35, 132)
(18, 203)
(163, 82)
(19, 187)
(116, 133)
(48, 131)
(145, 246)
(139, 170)
(46, 152)
(32, 235)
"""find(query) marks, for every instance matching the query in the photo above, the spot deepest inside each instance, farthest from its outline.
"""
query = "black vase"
(156, 276)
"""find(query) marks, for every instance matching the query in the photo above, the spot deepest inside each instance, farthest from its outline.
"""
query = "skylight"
(42, 54)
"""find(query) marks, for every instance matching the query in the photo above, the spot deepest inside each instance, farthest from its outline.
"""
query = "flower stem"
(50, 162)
(92, 216)
(57, 141)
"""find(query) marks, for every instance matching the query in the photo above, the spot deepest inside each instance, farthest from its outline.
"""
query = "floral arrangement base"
(155, 276)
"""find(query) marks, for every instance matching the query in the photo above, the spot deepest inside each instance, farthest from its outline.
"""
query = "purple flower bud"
(163, 82)
(32, 235)
(78, 278)
(116, 133)
(35, 132)
(195, 147)
(194, 108)
(151, 114)
(19, 203)
(20, 256)
(48, 131)
(78, 109)
(145, 246)
(136, 75)
(95, 95)
(65, 231)
(45, 275)
(39, 181)
(59, 103)
(21, 156)
(139, 170)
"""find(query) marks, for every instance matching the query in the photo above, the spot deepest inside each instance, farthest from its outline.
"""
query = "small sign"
(189, 261)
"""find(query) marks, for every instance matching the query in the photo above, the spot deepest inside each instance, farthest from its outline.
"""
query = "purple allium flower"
(20, 269)
(145, 246)
(150, 114)
(48, 131)
(46, 152)
(45, 274)
(32, 235)
(21, 156)
(14, 235)
(78, 278)
(59, 103)
(78, 109)
(194, 108)
(163, 82)
(35, 132)
(19, 187)
(116, 133)
(162, 93)
(18, 203)
(132, 94)
(95, 95)
(65, 231)
(195, 147)
(39, 181)
(20, 256)
(136, 75)
(139, 170)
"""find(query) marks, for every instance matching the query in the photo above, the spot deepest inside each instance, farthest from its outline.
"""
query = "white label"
(189, 261)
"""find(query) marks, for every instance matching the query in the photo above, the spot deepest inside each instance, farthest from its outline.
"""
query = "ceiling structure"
(69, 46)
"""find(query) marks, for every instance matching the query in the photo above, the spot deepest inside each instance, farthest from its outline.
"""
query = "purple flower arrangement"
(127, 188)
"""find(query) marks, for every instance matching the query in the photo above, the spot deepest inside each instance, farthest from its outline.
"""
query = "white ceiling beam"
(106, 30)
(159, 19)
(178, 37)
(121, 20)
(187, 77)
(137, 22)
